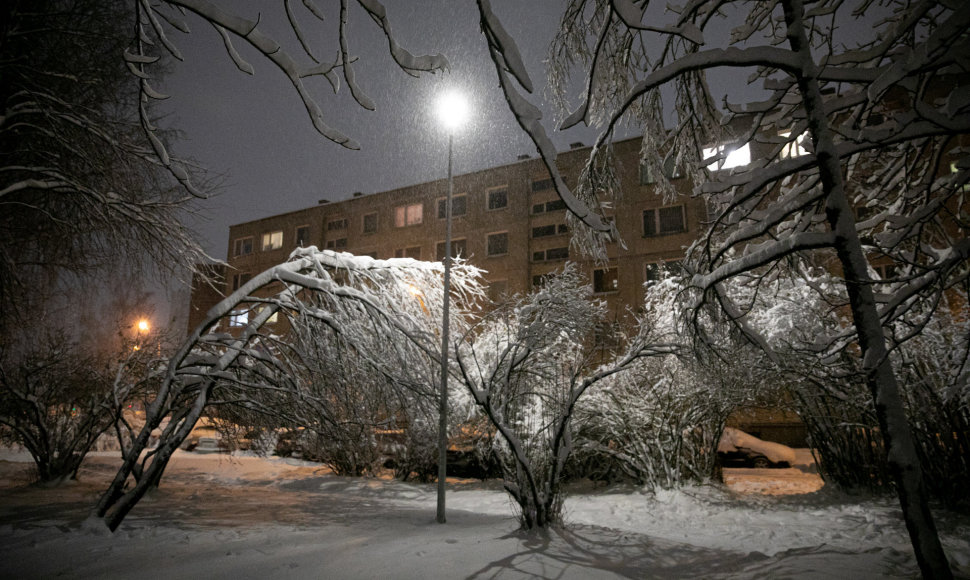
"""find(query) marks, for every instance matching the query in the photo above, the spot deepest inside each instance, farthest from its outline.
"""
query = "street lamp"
(452, 110)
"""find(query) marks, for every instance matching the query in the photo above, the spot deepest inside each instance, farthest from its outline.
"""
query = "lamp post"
(452, 110)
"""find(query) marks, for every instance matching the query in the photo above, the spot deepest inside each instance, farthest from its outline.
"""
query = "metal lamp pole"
(445, 319)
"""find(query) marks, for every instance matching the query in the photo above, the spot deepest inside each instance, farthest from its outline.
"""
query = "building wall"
(341, 226)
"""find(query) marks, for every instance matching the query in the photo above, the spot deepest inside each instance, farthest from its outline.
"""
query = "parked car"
(207, 445)
(738, 447)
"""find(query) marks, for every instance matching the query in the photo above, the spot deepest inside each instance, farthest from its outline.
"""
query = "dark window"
(337, 244)
(498, 290)
(541, 184)
(551, 254)
(544, 231)
(498, 198)
(242, 246)
(555, 205)
(649, 222)
(239, 279)
(458, 206)
(646, 176)
(671, 169)
(498, 244)
(663, 221)
(605, 280)
(303, 236)
(457, 250)
(370, 223)
(539, 208)
(660, 270)
(557, 254)
(671, 219)
(412, 252)
(340, 224)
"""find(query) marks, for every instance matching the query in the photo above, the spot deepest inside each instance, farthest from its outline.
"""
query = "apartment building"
(507, 220)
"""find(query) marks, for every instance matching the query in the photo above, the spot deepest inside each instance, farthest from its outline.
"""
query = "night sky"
(254, 132)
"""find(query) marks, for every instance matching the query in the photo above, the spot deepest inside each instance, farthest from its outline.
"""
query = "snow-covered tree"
(60, 392)
(862, 106)
(384, 313)
(80, 185)
(527, 365)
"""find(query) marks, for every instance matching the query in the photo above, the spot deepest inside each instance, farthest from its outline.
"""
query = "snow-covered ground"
(217, 516)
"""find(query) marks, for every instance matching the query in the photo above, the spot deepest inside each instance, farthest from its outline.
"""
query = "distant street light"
(143, 326)
(452, 110)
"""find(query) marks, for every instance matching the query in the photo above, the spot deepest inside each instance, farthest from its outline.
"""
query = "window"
(498, 198)
(886, 271)
(737, 157)
(272, 240)
(795, 148)
(337, 244)
(498, 290)
(664, 221)
(242, 246)
(646, 176)
(540, 280)
(670, 168)
(273, 318)
(498, 244)
(239, 318)
(554, 205)
(550, 230)
(458, 206)
(954, 169)
(303, 236)
(408, 215)
(339, 224)
(605, 280)
(370, 223)
(660, 270)
(458, 249)
(551, 254)
(412, 252)
(541, 184)
(239, 279)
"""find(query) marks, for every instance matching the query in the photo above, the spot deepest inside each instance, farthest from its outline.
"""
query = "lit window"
(498, 198)
(303, 236)
(605, 280)
(272, 240)
(498, 244)
(954, 169)
(408, 215)
(242, 246)
(370, 223)
(664, 221)
(795, 148)
(458, 206)
(458, 250)
(238, 318)
(738, 157)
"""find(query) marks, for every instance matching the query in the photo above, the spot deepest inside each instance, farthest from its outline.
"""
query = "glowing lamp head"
(142, 325)
(452, 110)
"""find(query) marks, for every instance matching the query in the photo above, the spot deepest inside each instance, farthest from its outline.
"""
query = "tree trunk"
(902, 458)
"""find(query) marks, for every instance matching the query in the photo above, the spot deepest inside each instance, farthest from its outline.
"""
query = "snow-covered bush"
(656, 424)
(526, 366)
